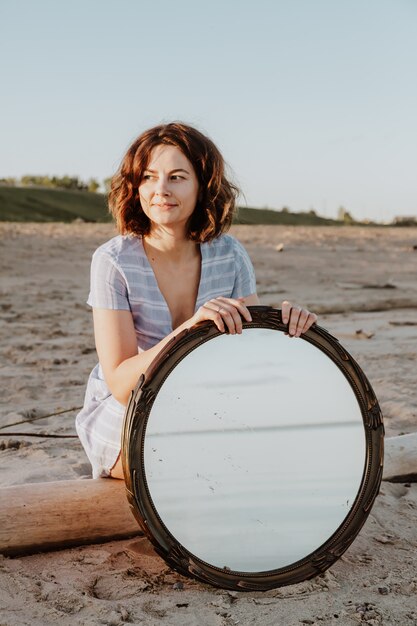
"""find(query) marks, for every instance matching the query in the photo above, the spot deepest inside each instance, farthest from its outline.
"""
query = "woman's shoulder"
(119, 248)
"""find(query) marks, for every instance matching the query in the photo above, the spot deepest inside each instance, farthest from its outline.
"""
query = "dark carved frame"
(140, 500)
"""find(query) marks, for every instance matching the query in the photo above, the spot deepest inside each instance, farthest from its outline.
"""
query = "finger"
(232, 309)
(211, 314)
(285, 311)
(294, 317)
(311, 319)
(301, 322)
(229, 314)
(219, 309)
(237, 319)
(238, 303)
(232, 319)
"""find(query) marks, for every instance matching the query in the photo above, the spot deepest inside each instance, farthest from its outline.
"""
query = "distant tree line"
(344, 216)
(55, 182)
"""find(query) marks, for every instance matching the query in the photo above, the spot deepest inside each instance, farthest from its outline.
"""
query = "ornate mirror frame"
(140, 500)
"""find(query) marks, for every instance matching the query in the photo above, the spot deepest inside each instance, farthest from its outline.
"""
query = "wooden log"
(400, 459)
(46, 516)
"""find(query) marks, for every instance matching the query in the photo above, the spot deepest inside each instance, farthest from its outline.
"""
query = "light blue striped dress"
(122, 278)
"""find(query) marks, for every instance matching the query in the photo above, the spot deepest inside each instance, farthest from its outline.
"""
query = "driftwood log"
(400, 459)
(46, 516)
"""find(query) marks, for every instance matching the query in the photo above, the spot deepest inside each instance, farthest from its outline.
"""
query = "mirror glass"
(254, 450)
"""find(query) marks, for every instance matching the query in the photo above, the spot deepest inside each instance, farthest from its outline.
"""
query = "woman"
(171, 267)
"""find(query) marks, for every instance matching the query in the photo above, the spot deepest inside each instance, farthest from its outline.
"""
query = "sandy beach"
(362, 284)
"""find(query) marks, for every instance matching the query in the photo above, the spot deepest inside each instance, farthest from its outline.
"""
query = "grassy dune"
(247, 215)
(29, 204)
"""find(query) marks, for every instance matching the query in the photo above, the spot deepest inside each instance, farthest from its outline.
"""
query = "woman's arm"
(117, 351)
(116, 341)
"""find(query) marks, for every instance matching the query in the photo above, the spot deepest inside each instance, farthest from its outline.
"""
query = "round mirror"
(252, 460)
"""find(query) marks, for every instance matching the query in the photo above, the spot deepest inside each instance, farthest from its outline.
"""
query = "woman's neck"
(170, 245)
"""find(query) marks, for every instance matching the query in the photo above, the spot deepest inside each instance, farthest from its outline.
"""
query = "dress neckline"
(203, 257)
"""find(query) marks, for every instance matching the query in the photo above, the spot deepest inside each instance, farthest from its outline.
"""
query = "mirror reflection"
(254, 450)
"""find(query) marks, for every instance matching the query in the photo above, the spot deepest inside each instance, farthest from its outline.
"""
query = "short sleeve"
(245, 280)
(108, 288)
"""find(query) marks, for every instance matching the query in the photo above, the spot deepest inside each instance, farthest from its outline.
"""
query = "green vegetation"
(56, 182)
(33, 204)
(48, 204)
(247, 215)
(30, 204)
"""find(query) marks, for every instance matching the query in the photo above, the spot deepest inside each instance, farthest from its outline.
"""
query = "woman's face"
(169, 189)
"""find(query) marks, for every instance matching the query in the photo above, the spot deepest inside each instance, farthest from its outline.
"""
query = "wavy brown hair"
(215, 206)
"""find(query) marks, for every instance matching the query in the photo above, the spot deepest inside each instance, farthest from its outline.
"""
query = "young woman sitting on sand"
(171, 267)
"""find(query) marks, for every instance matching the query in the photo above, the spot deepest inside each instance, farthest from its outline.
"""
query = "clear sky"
(312, 102)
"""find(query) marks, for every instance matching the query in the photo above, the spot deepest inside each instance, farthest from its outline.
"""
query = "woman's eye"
(152, 176)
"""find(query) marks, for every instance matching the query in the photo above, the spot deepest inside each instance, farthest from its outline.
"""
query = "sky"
(312, 103)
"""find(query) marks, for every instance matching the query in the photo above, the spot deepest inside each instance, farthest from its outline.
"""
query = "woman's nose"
(161, 187)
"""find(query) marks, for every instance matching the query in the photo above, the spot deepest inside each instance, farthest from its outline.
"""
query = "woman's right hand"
(226, 313)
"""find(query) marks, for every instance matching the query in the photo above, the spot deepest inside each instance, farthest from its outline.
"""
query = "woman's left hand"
(299, 320)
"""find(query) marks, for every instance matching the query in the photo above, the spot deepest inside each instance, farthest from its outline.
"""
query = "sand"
(361, 282)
